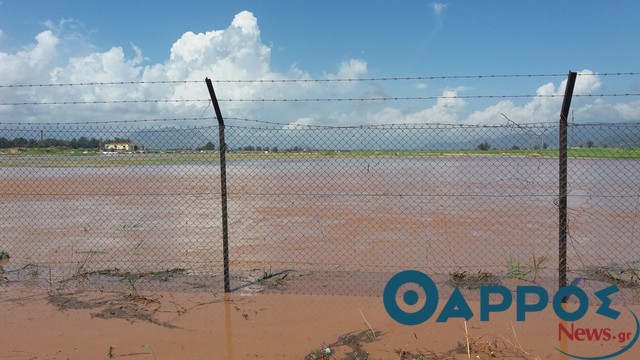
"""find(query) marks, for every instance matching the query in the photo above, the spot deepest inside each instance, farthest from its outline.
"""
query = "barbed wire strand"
(112, 121)
(389, 78)
(266, 100)
(291, 125)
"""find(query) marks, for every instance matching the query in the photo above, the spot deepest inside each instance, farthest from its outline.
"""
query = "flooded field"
(331, 220)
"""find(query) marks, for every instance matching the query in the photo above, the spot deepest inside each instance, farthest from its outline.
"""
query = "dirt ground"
(37, 324)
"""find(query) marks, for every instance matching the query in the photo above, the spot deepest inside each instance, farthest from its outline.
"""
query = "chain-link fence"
(316, 208)
(113, 205)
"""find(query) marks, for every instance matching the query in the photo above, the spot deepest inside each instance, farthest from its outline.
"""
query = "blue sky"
(117, 40)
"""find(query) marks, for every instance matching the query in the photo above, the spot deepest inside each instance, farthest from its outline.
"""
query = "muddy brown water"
(343, 222)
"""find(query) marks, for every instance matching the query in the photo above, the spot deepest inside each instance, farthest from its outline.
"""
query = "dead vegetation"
(159, 276)
(352, 347)
(626, 276)
(130, 307)
(472, 281)
(473, 348)
(349, 345)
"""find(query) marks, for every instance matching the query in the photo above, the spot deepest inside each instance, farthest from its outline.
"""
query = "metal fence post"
(562, 189)
(223, 185)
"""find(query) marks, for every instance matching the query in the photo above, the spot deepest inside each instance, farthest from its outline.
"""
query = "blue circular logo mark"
(410, 297)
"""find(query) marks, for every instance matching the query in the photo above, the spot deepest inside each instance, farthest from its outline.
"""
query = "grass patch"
(528, 270)
(92, 158)
(626, 276)
(4, 257)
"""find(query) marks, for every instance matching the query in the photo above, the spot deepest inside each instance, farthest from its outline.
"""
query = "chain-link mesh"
(317, 209)
(604, 202)
(348, 207)
(112, 206)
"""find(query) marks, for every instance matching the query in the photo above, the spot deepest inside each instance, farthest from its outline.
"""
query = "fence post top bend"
(214, 100)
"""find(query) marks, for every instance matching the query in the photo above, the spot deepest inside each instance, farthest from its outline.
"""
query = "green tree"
(484, 146)
(208, 146)
(93, 143)
(19, 142)
(82, 143)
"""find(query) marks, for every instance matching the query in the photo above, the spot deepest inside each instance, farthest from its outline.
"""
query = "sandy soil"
(178, 325)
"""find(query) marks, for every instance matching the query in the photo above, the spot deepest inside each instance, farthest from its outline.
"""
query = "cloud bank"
(238, 53)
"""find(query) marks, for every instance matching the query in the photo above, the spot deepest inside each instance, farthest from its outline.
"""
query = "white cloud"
(587, 83)
(628, 111)
(545, 106)
(303, 121)
(31, 61)
(234, 53)
(447, 109)
(60, 26)
(350, 69)
(438, 8)
(109, 66)
(247, 23)
(438, 17)
(238, 53)
(44, 51)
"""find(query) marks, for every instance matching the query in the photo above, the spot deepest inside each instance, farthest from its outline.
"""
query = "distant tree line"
(272, 148)
(207, 146)
(79, 143)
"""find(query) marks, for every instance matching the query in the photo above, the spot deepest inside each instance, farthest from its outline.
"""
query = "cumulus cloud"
(30, 61)
(350, 69)
(545, 106)
(587, 83)
(447, 109)
(108, 66)
(234, 53)
(628, 111)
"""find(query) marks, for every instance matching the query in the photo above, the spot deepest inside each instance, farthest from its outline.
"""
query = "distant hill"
(418, 137)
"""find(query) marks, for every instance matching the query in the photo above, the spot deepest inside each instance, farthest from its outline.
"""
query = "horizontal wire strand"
(389, 78)
(315, 99)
